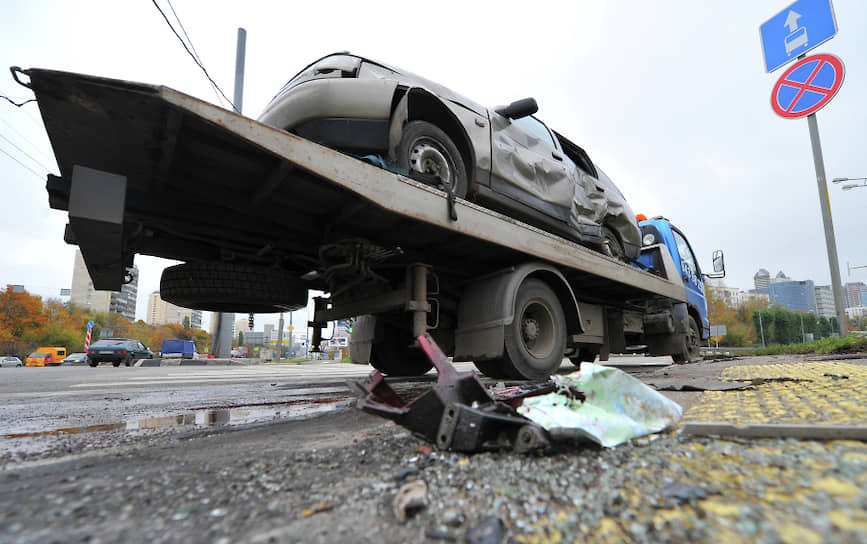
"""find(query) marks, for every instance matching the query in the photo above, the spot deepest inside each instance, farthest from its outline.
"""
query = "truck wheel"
(536, 338)
(395, 355)
(691, 345)
(230, 287)
(425, 149)
(93, 364)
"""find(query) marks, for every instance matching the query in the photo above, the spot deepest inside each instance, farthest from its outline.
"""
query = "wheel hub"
(530, 329)
(427, 159)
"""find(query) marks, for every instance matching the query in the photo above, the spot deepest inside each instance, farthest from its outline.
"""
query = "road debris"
(682, 493)
(491, 530)
(599, 403)
(696, 384)
(321, 506)
(410, 499)
(616, 407)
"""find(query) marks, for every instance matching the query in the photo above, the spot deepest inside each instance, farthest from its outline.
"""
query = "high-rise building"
(161, 312)
(83, 294)
(762, 279)
(825, 301)
(798, 296)
(856, 294)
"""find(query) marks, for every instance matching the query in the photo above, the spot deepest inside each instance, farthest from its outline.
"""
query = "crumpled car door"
(529, 170)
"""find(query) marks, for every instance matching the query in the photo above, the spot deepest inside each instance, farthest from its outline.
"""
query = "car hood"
(402, 77)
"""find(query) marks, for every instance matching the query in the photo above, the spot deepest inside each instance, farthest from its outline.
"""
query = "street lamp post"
(850, 186)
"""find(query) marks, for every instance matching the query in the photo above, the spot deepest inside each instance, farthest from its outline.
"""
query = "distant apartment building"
(762, 279)
(83, 294)
(856, 294)
(161, 312)
(798, 296)
(241, 326)
(825, 301)
(735, 297)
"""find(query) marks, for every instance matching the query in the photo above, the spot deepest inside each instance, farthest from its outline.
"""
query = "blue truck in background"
(659, 230)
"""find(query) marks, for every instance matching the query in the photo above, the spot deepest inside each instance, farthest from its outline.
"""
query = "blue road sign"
(804, 25)
(90, 324)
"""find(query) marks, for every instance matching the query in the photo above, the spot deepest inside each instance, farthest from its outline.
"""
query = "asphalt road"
(276, 453)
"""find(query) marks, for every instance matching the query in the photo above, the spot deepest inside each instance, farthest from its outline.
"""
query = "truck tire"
(691, 345)
(536, 338)
(230, 287)
(395, 355)
(426, 149)
(93, 364)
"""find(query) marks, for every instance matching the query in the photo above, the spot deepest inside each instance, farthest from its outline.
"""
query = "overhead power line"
(31, 157)
(14, 103)
(195, 59)
(34, 172)
(35, 147)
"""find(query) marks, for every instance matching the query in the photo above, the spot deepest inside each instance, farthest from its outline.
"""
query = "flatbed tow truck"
(261, 216)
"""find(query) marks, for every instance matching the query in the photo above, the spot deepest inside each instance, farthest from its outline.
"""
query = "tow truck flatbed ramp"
(204, 183)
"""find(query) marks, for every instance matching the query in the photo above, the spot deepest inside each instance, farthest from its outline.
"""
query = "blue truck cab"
(659, 230)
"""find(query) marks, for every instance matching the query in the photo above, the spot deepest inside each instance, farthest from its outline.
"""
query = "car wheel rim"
(537, 330)
(428, 158)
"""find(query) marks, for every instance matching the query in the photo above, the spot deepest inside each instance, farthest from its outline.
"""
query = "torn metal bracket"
(457, 414)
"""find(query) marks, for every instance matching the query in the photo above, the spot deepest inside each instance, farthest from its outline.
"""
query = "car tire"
(128, 361)
(691, 345)
(535, 340)
(93, 364)
(425, 149)
(230, 287)
(115, 364)
(612, 246)
(395, 354)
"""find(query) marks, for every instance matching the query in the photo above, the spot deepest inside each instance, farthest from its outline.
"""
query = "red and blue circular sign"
(807, 86)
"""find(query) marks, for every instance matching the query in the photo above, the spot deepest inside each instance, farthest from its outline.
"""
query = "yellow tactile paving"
(825, 392)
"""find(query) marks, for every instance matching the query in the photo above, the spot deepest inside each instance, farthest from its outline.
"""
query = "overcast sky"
(670, 98)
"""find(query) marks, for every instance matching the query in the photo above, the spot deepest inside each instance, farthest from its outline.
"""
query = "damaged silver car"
(503, 158)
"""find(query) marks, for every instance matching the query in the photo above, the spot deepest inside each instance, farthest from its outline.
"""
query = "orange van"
(46, 357)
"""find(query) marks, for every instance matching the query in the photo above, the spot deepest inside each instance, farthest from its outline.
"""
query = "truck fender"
(487, 305)
(670, 341)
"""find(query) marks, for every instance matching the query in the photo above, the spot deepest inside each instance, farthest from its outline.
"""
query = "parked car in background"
(47, 356)
(503, 158)
(117, 351)
(75, 359)
(179, 349)
(10, 361)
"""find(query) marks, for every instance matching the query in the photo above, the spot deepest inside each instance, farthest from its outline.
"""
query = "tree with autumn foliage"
(21, 319)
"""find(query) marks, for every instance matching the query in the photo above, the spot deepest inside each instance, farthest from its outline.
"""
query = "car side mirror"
(519, 108)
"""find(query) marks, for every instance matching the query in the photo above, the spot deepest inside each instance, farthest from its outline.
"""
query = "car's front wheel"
(426, 150)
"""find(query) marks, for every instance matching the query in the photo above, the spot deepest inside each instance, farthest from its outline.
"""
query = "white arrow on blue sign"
(90, 324)
(802, 26)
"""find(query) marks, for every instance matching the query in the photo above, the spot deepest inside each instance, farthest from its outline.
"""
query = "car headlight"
(648, 239)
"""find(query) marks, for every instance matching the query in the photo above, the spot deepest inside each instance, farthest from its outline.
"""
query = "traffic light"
(250, 321)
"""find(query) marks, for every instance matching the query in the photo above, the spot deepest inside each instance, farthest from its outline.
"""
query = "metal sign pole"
(830, 241)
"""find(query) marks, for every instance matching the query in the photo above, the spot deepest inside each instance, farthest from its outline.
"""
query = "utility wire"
(14, 103)
(23, 137)
(34, 172)
(196, 56)
(199, 64)
(31, 157)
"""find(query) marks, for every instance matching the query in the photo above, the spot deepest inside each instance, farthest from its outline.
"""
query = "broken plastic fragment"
(616, 407)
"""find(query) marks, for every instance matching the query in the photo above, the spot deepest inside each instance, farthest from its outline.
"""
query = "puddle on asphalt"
(209, 417)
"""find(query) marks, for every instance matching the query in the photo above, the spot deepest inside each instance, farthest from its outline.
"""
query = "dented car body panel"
(517, 166)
